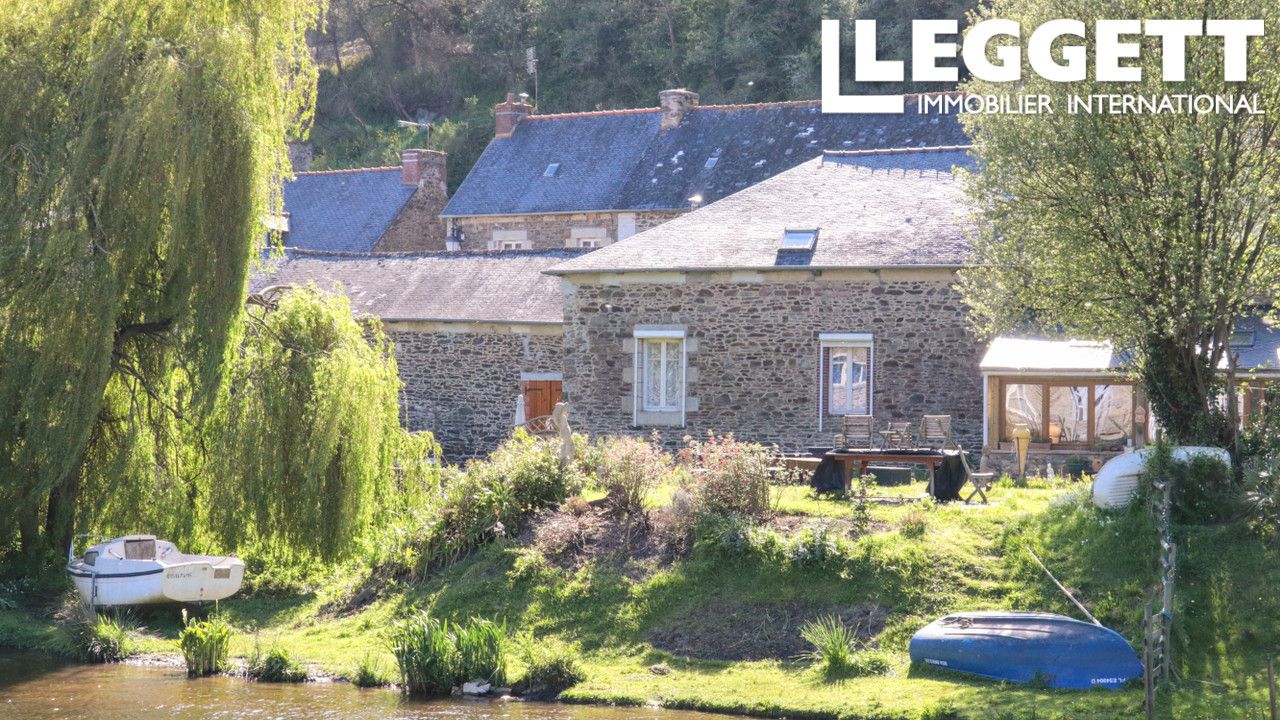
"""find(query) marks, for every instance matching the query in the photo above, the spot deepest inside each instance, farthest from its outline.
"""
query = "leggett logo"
(1114, 44)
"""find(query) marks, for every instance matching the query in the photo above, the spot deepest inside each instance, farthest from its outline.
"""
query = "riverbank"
(717, 628)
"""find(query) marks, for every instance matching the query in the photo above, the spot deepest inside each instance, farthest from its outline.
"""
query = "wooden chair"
(858, 431)
(981, 480)
(897, 435)
(935, 430)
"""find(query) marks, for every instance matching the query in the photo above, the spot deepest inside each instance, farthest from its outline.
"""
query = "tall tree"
(142, 143)
(1153, 230)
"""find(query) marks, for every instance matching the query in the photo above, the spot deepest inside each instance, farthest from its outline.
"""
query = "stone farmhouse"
(590, 179)
(756, 269)
(821, 292)
(469, 330)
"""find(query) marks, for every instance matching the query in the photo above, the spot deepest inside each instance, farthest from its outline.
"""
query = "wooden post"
(1148, 682)
(1271, 685)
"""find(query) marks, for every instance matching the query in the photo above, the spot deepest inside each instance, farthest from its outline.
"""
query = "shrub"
(551, 667)
(481, 651)
(1203, 490)
(732, 477)
(204, 644)
(95, 638)
(532, 468)
(724, 535)
(276, 666)
(426, 654)
(629, 468)
(1262, 496)
(838, 652)
(914, 524)
(369, 671)
(814, 546)
(491, 498)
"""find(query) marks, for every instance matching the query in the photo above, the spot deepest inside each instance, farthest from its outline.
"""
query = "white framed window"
(587, 237)
(509, 240)
(846, 363)
(660, 372)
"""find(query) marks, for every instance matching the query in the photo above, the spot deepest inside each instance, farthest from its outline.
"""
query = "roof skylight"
(551, 170)
(799, 238)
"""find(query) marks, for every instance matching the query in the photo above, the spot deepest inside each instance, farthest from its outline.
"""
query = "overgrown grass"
(276, 665)
(205, 644)
(481, 651)
(95, 637)
(551, 666)
(838, 652)
(369, 671)
(426, 654)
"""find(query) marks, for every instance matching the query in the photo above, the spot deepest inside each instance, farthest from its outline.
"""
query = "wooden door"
(540, 397)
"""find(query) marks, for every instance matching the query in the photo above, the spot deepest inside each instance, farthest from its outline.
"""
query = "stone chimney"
(509, 114)
(424, 168)
(675, 104)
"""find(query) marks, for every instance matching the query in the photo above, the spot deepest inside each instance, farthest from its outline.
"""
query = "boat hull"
(1025, 647)
(1116, 483)
(191, 582)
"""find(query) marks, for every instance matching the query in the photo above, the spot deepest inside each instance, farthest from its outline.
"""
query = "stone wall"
(549, 232)
(418, 226)
(461, 380)
(753, 348)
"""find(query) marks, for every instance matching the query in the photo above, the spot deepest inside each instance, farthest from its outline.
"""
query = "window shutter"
(824, 383)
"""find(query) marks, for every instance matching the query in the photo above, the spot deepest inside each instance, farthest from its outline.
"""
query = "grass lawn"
(683, 634)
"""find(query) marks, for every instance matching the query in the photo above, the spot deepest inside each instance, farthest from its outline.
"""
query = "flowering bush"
(629, 468)
(731, 477)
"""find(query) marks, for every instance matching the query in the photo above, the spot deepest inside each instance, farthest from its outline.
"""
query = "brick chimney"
(675, 103)
(423, 168)
(509, 114)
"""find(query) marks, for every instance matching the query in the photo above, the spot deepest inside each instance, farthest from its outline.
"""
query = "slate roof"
(1263, 337)
(443, 287)
(621, 160)
(343, 210)
(882, 209)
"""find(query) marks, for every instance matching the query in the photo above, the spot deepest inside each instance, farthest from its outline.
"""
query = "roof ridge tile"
(348, 171)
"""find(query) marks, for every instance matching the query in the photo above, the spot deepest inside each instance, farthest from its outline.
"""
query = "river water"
(33, 687)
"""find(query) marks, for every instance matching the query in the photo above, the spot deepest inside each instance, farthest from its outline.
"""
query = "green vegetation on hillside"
(717, 623)
(449, 61)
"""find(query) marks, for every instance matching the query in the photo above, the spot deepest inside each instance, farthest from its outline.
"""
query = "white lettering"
(1235, 36)
(1173, 36)
(1040, 51)
(867, 67)
(1109, 50)
(976, 41)
(925, 50)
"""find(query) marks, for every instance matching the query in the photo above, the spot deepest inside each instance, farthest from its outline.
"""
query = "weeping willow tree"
(140, 146)
(305, 445)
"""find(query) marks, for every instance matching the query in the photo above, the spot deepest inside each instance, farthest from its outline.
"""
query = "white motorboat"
(141, 570)
(1116, 483)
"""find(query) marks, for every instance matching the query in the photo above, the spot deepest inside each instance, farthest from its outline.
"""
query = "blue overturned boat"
(1022, 647)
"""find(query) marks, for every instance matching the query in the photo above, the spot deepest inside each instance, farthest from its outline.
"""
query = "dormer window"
(551, 170)
(798, 238)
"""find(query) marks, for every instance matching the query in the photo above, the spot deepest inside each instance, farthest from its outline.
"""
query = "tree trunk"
(1184, 394)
